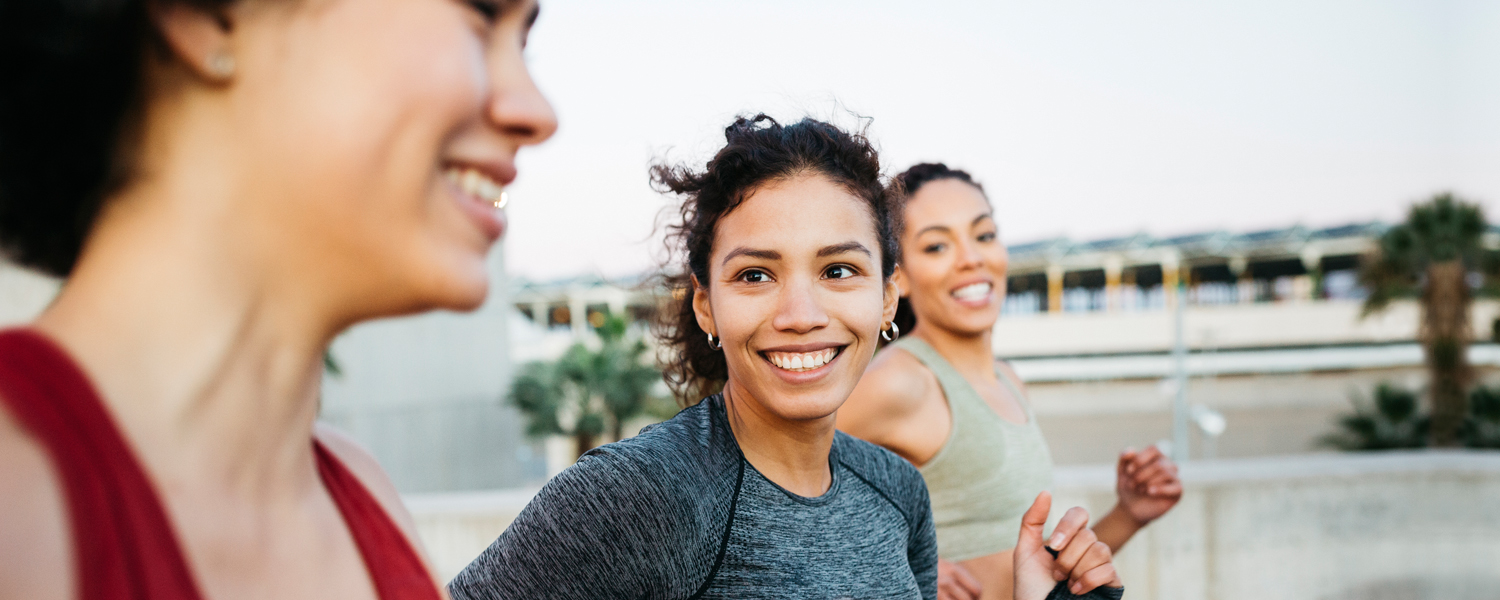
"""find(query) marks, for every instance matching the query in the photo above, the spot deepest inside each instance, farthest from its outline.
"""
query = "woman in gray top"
(789, 243)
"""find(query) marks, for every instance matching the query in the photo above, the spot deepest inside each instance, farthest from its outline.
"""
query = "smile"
(475, 183)
(801, 362)
(974, 292)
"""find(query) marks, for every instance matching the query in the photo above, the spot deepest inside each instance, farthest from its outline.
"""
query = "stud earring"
(891, 334)
(504, 199)
(221, 64)
(714, 343)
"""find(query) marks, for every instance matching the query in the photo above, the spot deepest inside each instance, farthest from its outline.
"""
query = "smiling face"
(953, 262)
(796, 296)
(374, 138)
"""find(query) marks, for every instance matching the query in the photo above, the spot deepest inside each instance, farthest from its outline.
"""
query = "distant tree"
(1482, 429)
(1430, 257)
(1391, 421)
(589, 392)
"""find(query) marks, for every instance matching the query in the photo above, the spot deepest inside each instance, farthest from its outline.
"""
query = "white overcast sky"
(1084, 118)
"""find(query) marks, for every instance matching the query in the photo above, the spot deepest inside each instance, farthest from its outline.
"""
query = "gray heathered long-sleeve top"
(678, 513)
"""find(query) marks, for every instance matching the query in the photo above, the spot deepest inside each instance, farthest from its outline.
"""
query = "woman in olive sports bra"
(940, 399)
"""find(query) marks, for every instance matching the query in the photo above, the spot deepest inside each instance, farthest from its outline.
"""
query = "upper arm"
(369, 472)
(36, 549)
(596, 530)
(879, 410)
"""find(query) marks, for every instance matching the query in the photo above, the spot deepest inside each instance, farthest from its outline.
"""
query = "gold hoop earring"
(892, 333)
(221, 64)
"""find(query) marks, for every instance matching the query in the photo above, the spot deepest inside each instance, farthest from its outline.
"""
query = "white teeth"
(802, 361)
(477, 184)
(974, 291)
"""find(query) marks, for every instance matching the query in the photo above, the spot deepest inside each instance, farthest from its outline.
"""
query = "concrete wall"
(1391, 526)
(426, 395)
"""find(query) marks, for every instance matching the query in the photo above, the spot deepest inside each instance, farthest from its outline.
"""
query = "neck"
(792, 454)
(209, 365)
(972, 354)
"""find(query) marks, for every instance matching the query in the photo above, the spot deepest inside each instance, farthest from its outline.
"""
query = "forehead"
(801, 213)
(947, 202)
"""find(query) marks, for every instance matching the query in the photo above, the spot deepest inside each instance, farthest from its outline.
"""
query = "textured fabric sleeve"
(597, 530)
(921, 551)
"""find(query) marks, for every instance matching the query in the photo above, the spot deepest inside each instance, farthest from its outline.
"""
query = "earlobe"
(199, 38)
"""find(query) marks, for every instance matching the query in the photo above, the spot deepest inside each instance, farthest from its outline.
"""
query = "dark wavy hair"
(70, 92)
(903, 186)
(757, 151)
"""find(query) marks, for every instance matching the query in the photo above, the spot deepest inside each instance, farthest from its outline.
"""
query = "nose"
(798, 310)
(969, 256)
(516, 107)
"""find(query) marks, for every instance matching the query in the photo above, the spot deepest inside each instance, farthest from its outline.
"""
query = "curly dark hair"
(903, 186)
(70, 91)
(758, 150)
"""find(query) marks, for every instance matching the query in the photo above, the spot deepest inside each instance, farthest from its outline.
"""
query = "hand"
(1082, 560)
(956, 582)
(1147, 484)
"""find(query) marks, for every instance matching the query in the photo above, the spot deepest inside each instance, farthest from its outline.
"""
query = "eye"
(839, 272)
(489, 9)
(986, 237)
(754, 276)
(934, 248)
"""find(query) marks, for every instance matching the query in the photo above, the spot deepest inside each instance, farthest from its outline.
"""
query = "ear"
(899, 276)
(198, 37)
(892, 299)
(703, 309)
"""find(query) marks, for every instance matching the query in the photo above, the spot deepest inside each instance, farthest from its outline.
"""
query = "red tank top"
(123, 542)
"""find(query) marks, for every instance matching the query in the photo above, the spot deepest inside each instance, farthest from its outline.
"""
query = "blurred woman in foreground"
(789, 239)
(939, 398)
(226, 186)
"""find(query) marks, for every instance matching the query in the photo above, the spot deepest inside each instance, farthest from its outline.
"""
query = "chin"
(461, 287)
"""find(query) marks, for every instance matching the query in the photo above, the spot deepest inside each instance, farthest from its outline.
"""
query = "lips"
(479, 195)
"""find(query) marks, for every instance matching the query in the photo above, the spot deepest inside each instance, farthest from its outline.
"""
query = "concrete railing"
(1384, 526)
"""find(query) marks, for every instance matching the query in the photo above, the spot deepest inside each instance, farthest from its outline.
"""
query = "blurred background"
(1194, 196)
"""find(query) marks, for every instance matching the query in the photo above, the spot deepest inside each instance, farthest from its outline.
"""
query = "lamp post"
(1180, 415)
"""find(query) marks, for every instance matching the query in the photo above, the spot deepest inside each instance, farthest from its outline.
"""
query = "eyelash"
(848, 268)
(486, 8)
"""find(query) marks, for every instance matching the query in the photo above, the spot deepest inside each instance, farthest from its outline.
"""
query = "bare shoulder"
(36, 555)
(895, 386)
(372, 475)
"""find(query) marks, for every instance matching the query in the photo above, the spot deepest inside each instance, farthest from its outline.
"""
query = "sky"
(1086, 119)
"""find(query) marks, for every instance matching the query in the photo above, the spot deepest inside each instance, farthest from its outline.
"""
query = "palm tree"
(1390, 421)
(1430, 257)
(588, 391)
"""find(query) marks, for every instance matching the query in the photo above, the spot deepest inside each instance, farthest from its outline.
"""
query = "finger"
(1169, 490)
(1069, 556)
(1146, 461)
(1122, 466)
(967, 581)
(1145, 475)
(1030, 540)
(1101, 576)
(1094, 555)
(1075, 519)
(949, 590)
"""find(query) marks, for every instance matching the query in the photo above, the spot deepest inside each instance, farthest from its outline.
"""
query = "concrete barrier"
(1386, 526)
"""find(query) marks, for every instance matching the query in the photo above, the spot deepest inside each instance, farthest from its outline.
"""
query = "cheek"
(371, 93)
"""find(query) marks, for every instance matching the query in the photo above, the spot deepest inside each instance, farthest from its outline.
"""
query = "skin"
(271, 210)
(952, 241)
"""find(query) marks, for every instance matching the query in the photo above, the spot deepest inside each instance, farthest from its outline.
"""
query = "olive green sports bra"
(988, 471)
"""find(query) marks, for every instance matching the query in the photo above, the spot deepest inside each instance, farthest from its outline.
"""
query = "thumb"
(1030, 540)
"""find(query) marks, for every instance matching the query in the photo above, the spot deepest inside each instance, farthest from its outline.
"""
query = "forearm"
(1116, 528)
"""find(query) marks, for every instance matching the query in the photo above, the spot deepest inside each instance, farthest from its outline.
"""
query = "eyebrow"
(752, 253)
(844, 247)
(945, 227)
